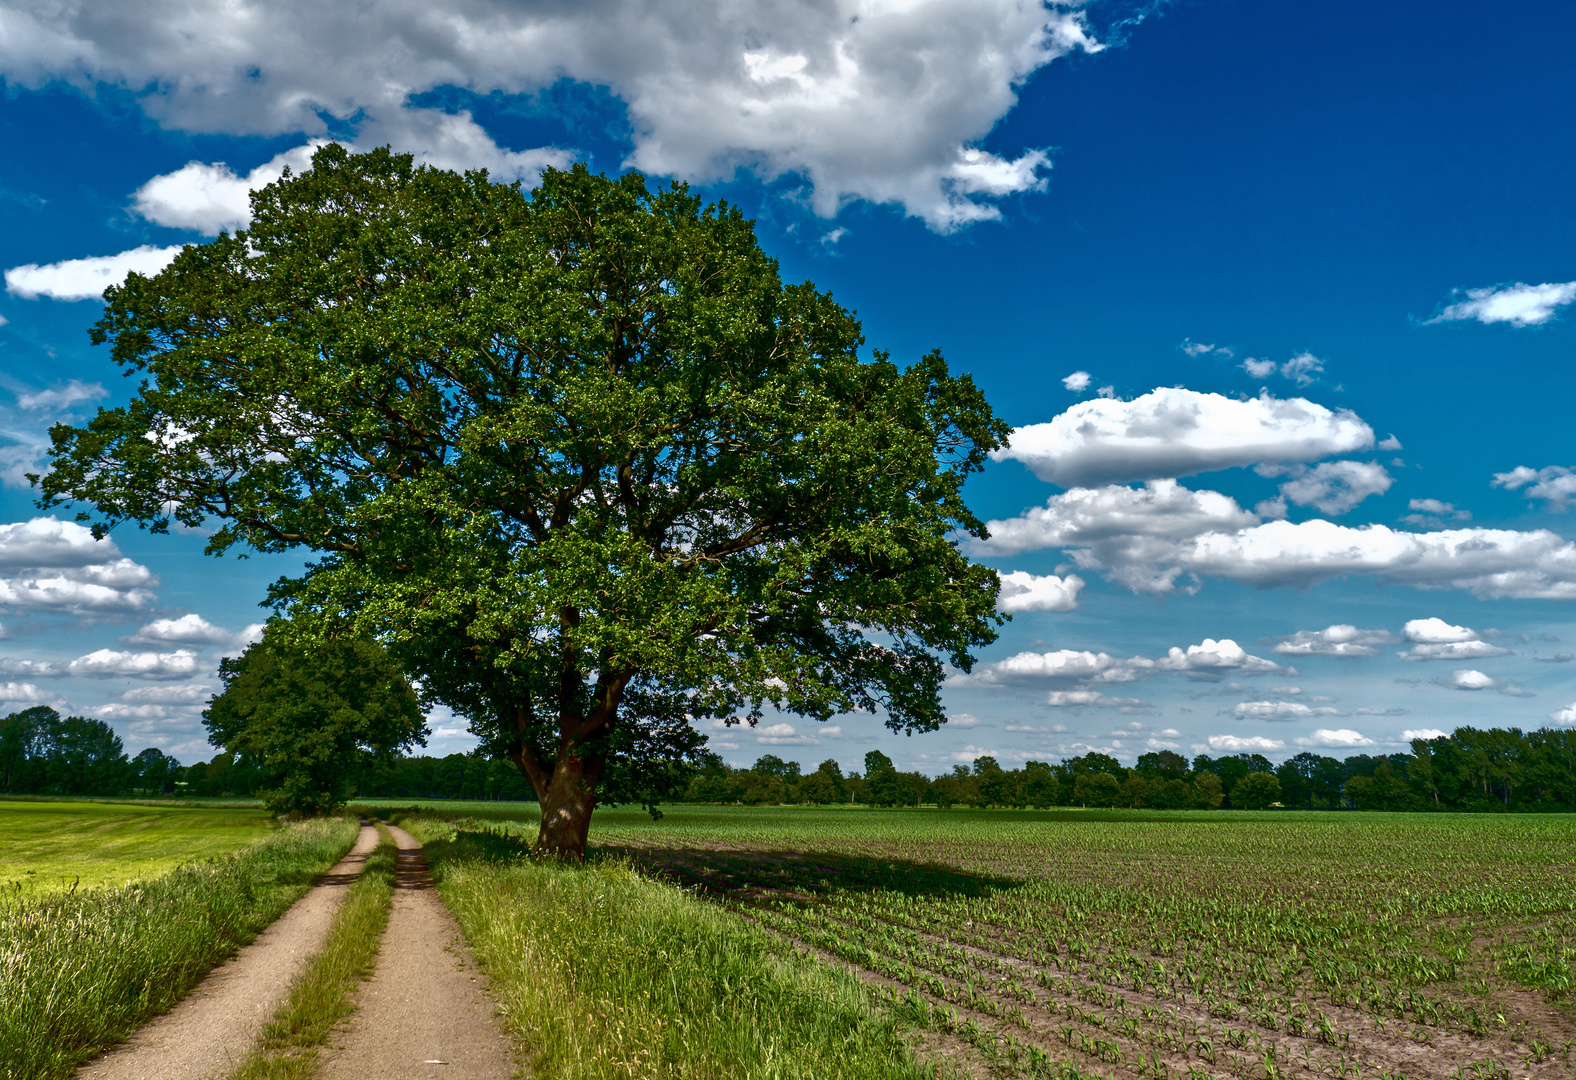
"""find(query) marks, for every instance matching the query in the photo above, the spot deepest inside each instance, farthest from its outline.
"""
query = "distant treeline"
(1471, 769)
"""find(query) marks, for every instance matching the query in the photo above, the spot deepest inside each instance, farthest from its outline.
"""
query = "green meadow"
(49, 846)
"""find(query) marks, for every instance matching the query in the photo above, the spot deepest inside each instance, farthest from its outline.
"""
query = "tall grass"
(321, 997)
(80, 970)
(602, 973)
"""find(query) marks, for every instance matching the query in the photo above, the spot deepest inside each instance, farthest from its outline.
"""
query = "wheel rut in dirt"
(426, 1011)
(213, 1029)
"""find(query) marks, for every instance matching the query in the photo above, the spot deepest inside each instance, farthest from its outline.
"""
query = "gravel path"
(426, 1011)
(211, 1031)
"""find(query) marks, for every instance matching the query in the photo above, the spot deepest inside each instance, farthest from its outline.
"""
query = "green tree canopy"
(312, 715)
(578, 457)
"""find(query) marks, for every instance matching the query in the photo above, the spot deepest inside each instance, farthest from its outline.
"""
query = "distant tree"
(1163, 761)
(154, 771)
(995, 784)
(1169, 794)
(1255, 791)
(1039, 784)
(26, 738)
(825, 785)
(773, 765)
(312, 714)
(1097, 789)
(86, 757)
(1208, 792)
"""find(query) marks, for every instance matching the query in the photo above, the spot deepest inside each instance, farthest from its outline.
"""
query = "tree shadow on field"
(759, 875)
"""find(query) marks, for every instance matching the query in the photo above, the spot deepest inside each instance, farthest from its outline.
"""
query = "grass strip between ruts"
(321, 996)
(80, 971)
(601, 972)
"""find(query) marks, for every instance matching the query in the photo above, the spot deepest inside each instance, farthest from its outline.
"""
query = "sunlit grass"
(601, 972)
(53, 845)
(80, 970)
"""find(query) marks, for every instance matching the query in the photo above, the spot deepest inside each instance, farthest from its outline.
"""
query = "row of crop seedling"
(1089, 1031)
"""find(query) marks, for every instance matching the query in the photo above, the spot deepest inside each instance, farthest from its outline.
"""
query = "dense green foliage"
(1470, 770)
(600, 973)
(312, 715)
(48, 846)
(40, 753)
(578, 457)
(84, 968)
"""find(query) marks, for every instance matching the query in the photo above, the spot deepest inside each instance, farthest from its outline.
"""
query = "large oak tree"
(577, 457)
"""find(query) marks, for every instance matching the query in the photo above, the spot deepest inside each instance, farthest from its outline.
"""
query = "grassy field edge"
(80, 971)
(602, 972)
(322, 997)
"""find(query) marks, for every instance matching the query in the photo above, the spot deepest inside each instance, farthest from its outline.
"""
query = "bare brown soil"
(211, 1031)
(426, 1011)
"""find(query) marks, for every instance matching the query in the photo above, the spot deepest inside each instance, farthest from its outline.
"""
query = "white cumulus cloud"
(72, 392)
(883, 102)
(1555, 484)
(1022, 591)
(963, 720)
(1077, 382)
(1338, 737)
(193, 629)
(1566, 715)
(1334, 487)
(1422, 733)
(1281, 710)
(1208, 660)
(1078, 699)
(112, 663)
(1338, 639)
(86, 279)
(51, 565)
(1518, 304)
(1172, 432)
(1472, 679)
(1234, 744)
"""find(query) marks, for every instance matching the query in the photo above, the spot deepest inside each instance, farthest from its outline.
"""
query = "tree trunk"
(566, 808)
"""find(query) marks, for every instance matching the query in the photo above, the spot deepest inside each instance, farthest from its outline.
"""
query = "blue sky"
(1278, 297)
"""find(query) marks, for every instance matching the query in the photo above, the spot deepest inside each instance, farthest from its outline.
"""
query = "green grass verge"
(80, 970)
(601, 972)
(321, 997)
(53, 846)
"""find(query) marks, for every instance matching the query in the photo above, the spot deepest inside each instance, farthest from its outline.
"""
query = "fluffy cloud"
(1171, 432)
(86, 279)
(1280, 710)
(1118, 526)
(1566, 715)
(1338, 639)
(1213, 659)
(876, 102)
(1208, 660)
(50, 565)
(1435, 639)
(1077, 382)
(110, 663)
(963, 720)
(210, 198)
(784, 735)
(193, 629)
(1422, 733)
(1338, 737)
(1303, 369)
(1021, 591)
(1094, 699)
(1518, 304)
(1490, 563)
(1334, 487)
(23, 693)
(1236, 745)
(1470, 679)
(1554, 483)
